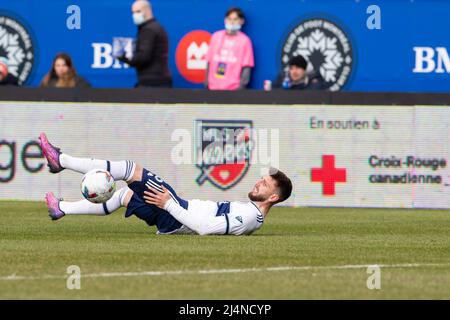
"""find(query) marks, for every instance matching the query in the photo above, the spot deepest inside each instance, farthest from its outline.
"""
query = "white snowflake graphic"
(15, 55)
(318, 41)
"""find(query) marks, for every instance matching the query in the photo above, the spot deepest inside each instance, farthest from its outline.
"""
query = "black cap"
(298, 61)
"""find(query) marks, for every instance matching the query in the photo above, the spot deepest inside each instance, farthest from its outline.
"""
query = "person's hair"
(284, 184)
(64, 82)
(298, 61)
(238, 11)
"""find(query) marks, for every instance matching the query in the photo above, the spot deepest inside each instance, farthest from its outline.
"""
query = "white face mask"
(138, 18)
(232, 27)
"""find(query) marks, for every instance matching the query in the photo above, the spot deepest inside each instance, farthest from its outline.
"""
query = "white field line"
(15, 277)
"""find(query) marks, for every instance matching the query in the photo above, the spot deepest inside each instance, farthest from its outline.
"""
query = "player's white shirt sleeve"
(198, 218)
(243, 217)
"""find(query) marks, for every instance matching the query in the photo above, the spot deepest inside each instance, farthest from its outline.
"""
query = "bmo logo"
(103, 57)
(191, 55)
(430, 59)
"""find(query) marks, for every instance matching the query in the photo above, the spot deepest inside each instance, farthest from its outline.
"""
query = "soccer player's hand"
(156, 197)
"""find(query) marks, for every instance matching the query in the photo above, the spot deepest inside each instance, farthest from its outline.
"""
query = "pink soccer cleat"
(51, 153)
(53, 206)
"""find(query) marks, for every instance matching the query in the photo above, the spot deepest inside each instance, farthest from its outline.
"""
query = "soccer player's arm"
(203, 225)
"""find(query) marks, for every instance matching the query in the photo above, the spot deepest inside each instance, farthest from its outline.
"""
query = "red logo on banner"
(328, 175)
(190, 55)
(220, 166)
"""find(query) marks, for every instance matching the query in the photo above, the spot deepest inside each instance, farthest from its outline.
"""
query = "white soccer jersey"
(209, 217)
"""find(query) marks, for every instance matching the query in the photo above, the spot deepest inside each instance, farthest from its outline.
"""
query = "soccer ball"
(98, 186)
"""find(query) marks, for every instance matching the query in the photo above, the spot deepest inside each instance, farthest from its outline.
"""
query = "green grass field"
(327, 250)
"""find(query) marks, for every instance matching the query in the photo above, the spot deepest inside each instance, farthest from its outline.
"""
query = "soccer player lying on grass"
(151, 199)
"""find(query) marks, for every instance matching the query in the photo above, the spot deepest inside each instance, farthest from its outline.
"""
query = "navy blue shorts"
(150, 213)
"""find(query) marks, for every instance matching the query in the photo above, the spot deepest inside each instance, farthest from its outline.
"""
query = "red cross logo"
(328, 175)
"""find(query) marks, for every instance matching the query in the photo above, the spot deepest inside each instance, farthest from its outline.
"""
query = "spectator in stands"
(5, 77)
(296, 76)
(151, 54)
(230, 55)
(63, 74)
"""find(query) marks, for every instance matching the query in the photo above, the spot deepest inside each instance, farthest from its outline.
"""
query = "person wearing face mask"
(230, 55)
(151, 55)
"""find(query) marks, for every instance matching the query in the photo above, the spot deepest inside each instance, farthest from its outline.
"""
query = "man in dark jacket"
(151, 55)
(296, 77)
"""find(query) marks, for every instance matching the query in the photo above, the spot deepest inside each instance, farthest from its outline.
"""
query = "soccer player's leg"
(151, 214)
(58, 208)
(58, 161)
(144, 178)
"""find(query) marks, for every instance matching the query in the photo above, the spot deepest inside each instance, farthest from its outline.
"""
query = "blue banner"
(395, 45)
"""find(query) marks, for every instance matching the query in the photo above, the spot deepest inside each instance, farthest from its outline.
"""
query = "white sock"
(120, 170)
(87, 207)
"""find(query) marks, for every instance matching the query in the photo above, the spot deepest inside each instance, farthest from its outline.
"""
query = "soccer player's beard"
(257, 198)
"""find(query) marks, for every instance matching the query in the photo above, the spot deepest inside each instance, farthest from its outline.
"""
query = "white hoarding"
(369, 156)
